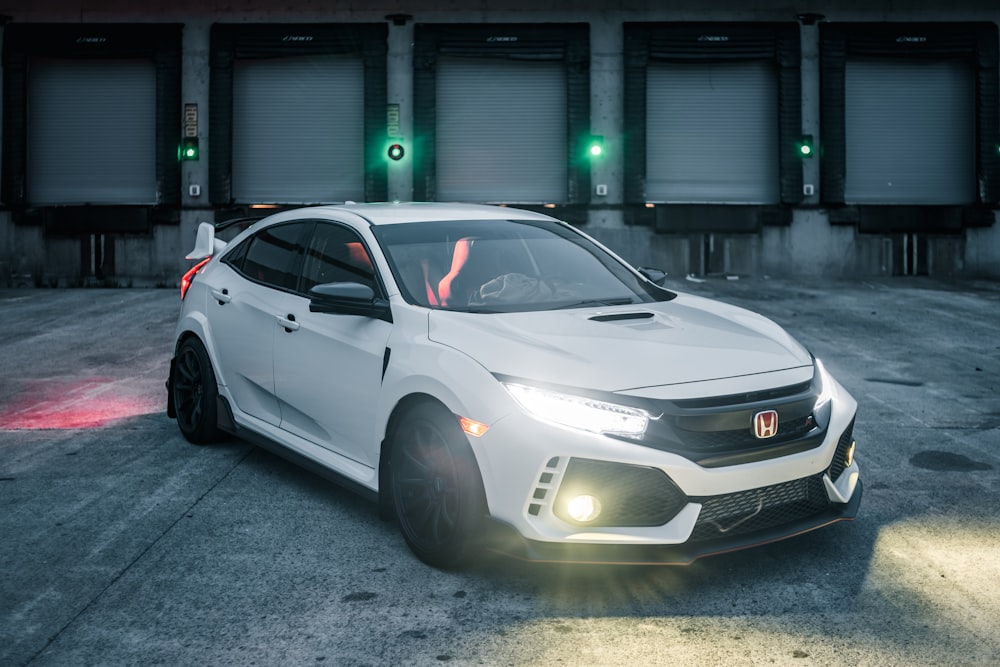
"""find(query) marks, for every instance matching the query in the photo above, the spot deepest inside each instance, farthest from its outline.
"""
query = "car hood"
(622, 348)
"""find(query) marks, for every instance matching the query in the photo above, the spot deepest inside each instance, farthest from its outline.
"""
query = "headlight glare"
(580, 412)
(822, 407)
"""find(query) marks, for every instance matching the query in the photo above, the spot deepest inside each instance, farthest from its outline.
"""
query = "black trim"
(976, 42)
(70, 221)
(566, 42)
(719, 218)
(504, 539)
(686, 42)
(160, 43)
(230, 42)
(303, 461)
(224, 415)
(171, 408)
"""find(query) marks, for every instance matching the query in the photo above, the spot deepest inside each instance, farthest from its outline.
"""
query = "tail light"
(188, 277)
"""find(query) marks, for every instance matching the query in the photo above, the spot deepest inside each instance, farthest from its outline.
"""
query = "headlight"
(822, 409)
(579, 412)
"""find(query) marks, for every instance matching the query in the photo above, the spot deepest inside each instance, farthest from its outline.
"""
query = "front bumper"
(505, 539)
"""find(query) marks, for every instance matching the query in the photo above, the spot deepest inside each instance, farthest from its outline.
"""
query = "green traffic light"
(595, 147)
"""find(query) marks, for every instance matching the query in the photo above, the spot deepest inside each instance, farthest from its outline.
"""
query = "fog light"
(584, 508)
(849, 457)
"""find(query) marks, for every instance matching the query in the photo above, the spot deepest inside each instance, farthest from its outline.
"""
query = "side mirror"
(348, 299)
(655, 276)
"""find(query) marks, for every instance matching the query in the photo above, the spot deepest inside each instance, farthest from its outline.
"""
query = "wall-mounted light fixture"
(810, 18)
(399, 19)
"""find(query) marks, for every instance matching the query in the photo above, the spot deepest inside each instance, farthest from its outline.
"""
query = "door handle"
(289, 323)
(222, 296)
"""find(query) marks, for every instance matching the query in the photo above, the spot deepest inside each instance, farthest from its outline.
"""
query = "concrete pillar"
(606, 119)
(811, 109)
(173, 243)
(399, 81)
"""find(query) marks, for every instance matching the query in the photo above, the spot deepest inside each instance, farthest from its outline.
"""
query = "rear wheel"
(435, 486)
(195, 393)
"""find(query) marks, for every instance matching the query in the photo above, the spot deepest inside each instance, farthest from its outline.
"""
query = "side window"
(235, 257)
(336, 254)
(272, 255)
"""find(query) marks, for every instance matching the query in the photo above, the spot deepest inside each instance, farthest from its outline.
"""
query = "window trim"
(305, 237)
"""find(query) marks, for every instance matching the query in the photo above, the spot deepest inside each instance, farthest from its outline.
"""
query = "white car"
(495, 379)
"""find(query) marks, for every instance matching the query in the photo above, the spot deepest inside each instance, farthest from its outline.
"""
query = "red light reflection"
(81, 403)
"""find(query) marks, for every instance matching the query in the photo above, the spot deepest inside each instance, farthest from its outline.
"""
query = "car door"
(248, 293)
(328, 367)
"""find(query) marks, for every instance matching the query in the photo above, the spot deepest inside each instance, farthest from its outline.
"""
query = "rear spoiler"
(205, 244)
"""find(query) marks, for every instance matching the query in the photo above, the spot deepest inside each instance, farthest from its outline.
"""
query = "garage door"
(910, 131)
(91, 132)
(712, 133)
(298, 130)
(501, 131)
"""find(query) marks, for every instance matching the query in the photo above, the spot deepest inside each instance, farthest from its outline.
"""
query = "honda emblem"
(765, 424)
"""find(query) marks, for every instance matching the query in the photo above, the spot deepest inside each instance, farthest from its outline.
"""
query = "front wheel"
(436, 487)
(195, 393)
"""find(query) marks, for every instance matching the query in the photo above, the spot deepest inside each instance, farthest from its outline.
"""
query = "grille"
(721, 441)
(757, 509)
(840, 457)
(630, 495)
(718, 431)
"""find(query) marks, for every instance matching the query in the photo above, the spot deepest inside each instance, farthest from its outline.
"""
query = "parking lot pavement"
(122, 544)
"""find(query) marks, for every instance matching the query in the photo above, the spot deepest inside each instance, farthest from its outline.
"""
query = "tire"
(436, 487)
(195, 393)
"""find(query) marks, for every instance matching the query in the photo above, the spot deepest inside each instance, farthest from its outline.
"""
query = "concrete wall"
(810, 245)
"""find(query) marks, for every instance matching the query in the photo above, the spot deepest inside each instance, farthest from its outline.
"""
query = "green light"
(805, 146)
(595, 147)
(396, 152)
(189, 148)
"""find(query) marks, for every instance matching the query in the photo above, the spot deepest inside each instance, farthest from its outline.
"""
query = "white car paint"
(274, 361)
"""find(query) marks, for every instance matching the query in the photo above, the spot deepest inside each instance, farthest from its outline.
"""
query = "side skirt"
(228, 424)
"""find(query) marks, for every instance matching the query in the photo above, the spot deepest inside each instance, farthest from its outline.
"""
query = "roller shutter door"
(298, 130)
(712, 133)
(910, 132)
(501, 131)
(91, 132)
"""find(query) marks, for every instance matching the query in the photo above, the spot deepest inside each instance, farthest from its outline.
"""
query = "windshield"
(506, 266)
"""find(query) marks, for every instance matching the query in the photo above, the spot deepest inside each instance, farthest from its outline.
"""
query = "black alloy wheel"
(436, 488)
(195, 393)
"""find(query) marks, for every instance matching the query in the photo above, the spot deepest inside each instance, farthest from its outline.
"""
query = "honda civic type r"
(495, 379)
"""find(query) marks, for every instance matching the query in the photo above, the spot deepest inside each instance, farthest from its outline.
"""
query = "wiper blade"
(620, 301)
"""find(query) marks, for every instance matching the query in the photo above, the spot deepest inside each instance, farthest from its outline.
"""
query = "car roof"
(387, 213)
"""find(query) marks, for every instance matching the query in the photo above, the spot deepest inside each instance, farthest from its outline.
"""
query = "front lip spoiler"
(506, 541)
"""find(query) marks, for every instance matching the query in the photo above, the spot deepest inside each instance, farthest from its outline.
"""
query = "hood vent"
(618, 317)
